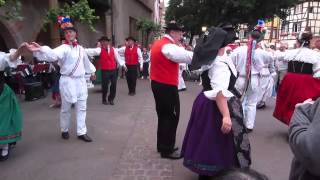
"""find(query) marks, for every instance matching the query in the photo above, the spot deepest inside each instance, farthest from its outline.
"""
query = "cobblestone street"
(124, 146)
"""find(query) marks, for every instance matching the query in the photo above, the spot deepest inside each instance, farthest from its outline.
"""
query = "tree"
(79, 11)
(194, 14)
(10, 9)
(147, 27)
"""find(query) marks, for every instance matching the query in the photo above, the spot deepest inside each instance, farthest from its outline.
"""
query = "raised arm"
(93, 51)
(45, 53)
(119, 60)
(177, 54)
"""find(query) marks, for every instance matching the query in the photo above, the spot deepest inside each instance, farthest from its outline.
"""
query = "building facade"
(117, 20)
(304, 14)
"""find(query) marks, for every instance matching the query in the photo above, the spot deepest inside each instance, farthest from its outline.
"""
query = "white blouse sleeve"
(177, 54)
(50, 55)
(219, 75)
(316, 69)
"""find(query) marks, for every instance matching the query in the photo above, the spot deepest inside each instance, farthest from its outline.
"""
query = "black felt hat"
(104, 38)
(130, 38)
(173, 25)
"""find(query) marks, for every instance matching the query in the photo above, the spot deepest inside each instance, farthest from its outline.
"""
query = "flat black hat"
(173, 25)
(104, 38)
(130, 38)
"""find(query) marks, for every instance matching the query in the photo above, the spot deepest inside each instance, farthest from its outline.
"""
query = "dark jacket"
(304, 139)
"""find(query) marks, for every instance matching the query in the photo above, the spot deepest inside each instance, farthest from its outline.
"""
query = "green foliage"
(11, 9)
(79, 11)
(147, 27)
(194, 14)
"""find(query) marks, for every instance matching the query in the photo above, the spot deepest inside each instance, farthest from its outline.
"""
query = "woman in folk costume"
(302, 79)
(216, 137)
(10, 113)
(74, 64)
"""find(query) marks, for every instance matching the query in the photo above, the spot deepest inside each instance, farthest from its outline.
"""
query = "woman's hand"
(226, 125)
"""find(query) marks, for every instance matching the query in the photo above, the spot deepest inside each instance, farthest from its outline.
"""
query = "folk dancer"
(133, 60)
(10, 113)
(216, 138)
(74, 64)
(166, 55)
(249, 61)
(301, 82)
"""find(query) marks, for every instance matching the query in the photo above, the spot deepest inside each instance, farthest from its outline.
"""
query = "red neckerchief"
(74, 43)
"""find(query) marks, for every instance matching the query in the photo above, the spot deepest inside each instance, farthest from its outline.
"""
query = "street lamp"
(204, 28)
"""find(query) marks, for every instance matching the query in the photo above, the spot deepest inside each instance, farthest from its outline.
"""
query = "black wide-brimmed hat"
(104, 38)
(130, 38)
(173, 25)
(208, 46)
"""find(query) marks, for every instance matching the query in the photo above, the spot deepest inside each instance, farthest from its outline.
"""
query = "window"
(298, 9)
(296, 27)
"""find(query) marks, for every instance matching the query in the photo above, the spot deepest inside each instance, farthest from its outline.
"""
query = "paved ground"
(124, 142)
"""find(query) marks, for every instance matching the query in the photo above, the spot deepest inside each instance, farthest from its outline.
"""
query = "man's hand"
(125, 68)
(308, 101)
(93, 77)
(33, 47)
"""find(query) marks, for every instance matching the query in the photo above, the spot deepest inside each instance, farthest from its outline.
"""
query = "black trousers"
(132, 76)
(168, 111)
(145, 71)
(107, 77)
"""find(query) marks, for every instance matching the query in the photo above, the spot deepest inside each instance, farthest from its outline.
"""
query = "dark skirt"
(206, 149)
(294, 88)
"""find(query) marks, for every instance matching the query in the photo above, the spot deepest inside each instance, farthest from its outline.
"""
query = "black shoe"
(85, 138)
(172, 156)
(174, 149)
(202, 177)
(111, 103)
(131, 94)
(261, 105)
(105, 103)
(249, 130)
(65, 135)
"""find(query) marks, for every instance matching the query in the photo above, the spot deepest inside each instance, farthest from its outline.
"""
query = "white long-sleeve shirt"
(305, 55)
(67, 57)
(122, 51)
(176, 53)
(96, 52)
(239, 58)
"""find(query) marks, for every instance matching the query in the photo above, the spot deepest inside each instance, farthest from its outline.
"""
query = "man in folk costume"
(74, 64)
(249, 61)
(10, 113)
(267, 74)
(166, 54)
(108, 60)
(134, 60)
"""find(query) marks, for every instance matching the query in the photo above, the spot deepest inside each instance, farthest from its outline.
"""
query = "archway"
(7, 41)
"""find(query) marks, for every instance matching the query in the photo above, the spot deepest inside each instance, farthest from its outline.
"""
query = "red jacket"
(131, 56)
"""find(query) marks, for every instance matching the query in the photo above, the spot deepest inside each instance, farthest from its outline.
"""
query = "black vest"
(207, 87)
(300, 67)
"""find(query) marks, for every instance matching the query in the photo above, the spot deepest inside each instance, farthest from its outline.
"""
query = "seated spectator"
(304, 139)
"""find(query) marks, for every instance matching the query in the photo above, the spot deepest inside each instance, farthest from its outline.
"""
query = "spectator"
(304, 139)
